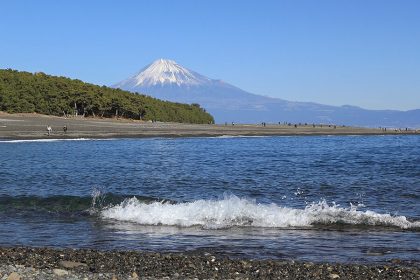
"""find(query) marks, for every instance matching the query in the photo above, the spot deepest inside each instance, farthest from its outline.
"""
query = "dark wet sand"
(33, 126)
(46, 263)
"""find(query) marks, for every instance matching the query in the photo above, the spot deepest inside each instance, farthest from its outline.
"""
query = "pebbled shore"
(47, 263)
(33, 126)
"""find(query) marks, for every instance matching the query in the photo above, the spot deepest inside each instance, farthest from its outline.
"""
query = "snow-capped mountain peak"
(164, 72)
(167, 80)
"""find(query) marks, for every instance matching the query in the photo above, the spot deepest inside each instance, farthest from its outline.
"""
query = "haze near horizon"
(361, 53)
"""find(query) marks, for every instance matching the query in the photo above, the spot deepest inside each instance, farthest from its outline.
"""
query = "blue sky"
(364, 53)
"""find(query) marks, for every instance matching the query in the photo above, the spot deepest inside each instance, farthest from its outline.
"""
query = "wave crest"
(44, 140)
(234, 211)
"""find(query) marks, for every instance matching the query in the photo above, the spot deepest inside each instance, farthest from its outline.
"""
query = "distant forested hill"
(23, 92)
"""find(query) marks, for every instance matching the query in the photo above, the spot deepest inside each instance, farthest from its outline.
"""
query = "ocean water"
(314, 198)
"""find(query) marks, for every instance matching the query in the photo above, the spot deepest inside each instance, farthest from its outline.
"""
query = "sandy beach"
(33, 126)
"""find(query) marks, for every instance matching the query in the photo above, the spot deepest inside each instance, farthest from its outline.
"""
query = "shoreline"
(33, 126)
(49, 263)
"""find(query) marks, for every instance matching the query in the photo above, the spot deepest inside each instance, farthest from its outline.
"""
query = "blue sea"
(315, 198)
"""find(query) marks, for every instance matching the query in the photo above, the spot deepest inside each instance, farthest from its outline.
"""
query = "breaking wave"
(45, 140)
(233, 211)
(241, 136)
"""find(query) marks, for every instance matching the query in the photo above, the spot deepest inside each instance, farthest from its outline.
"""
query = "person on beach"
(65, 129)
(49, 130)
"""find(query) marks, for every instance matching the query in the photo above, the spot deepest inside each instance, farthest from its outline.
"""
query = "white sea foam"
(233, 211)
(48, 140)
(240, 136)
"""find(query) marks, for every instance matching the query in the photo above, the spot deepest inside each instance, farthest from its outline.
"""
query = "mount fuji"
(167, 80)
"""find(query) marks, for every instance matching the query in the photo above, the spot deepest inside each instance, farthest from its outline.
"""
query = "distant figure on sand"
(65, 129)
(49, 130)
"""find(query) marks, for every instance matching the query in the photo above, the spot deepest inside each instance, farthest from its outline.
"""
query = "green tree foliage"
(23, 92)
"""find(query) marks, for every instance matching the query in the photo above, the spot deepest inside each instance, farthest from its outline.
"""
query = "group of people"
(49, 129)
(264, 124)
(396, 129)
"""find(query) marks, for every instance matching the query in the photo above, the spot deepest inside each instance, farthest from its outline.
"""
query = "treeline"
(23, 92)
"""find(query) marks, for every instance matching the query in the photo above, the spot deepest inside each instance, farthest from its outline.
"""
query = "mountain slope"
(165, 79)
